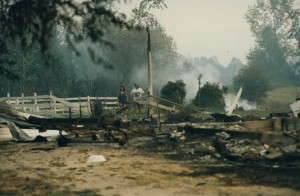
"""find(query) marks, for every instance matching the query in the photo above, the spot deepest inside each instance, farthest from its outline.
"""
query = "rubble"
(233, 141)
(268, 140)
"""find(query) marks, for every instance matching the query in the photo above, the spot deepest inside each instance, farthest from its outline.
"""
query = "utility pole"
(199, 83)
(150, 85)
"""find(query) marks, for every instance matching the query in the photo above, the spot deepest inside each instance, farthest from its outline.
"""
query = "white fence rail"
(49, 104)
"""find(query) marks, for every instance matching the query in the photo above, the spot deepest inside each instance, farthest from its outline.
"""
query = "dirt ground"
(45, 169)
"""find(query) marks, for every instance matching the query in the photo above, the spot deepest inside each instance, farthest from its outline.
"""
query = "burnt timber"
(70, 124)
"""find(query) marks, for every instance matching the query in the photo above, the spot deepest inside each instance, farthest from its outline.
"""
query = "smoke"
(140, 76)
(160, 77)
(209, 73)
(130, 65)
(246, 105)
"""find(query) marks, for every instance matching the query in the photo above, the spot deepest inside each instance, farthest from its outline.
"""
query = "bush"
(211, 95)
(174, 91)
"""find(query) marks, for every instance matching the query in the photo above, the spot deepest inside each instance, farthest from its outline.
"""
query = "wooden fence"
(50, 104)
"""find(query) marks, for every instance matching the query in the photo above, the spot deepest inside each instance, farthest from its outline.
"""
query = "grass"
(277, 101)
(285, 95)
(281, 98)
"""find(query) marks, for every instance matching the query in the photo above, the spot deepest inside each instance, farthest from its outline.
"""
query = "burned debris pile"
(221, 141)
(271, 140)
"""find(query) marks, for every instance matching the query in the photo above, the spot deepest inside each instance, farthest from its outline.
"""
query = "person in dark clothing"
(122, 97)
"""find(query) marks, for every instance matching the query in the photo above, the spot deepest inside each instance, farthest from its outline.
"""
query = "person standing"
(122, 97)
(136, 93)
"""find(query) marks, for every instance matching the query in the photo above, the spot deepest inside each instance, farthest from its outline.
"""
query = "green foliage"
(70, 74)
(211, 96)
(142, 15)
(294, 32)
(30, 22)
(174, 91)
(271, 23)
(255, 82)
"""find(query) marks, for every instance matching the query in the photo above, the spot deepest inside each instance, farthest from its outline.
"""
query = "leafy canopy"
(272, 23)
(27, 22)
(71, 75)
(211, 96)
(255, 82)
(174, 91)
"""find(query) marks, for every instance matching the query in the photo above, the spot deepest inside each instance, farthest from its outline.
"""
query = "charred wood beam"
(213, 131)
(77, 123)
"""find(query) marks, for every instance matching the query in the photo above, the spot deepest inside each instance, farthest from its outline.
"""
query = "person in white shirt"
(136, 93)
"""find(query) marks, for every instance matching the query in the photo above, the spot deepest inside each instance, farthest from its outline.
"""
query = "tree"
(230, 71)
(294, 32)
(72, 34)
(72, 75)
(130, 57)
(270, 22)
(34, 76)
(174, 91)
(35, 22)
(144, 18)
(211, 95)
(255, 82)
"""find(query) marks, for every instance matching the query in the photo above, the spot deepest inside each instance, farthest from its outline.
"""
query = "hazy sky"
(206, 27)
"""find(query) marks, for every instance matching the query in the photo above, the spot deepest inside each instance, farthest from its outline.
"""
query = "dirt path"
(44, 169)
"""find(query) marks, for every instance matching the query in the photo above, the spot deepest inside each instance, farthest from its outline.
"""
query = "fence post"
(80, 111)
(70, 112)
(22, 95)
(89, 104)
(17, 102)
(52, 102)
(35, 102)
(8, 98)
